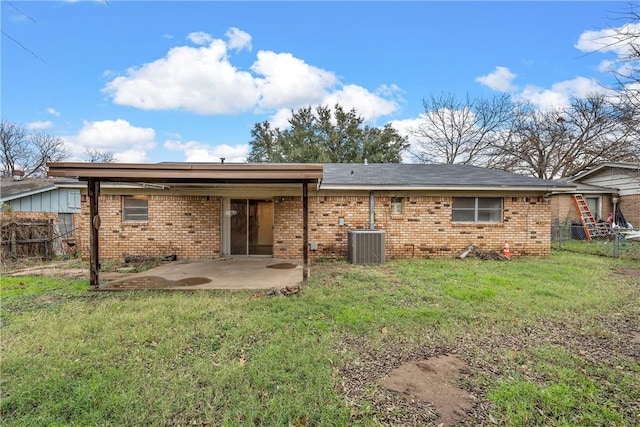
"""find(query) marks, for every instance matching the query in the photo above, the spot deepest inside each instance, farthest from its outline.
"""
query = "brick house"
(215, 210)
(599, 186)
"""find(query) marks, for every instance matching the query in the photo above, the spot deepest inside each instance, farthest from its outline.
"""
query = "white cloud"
(615, 40)
(203, 80)
(131, 156)
(117, 136)
(404, 128)
(560, 94)
(289, 81)
(281, 118)
(606, 66)
(618, 41)
(368, 105)
(500, 79)
(195, 151)
(39, 125)
(200, 38)
(238, 39)
(53, 112)
(200, 80)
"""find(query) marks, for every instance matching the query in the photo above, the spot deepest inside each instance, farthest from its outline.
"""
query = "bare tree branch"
(28, 152)
(93, 155)
(460, 131)
(13, 146)
(563, 142)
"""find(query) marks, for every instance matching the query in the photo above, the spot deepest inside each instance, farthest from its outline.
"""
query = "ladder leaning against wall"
(589, 225)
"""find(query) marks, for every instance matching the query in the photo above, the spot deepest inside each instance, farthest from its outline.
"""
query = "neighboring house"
(213, 210)
(598, 199)
(44, 198)
(608, 180)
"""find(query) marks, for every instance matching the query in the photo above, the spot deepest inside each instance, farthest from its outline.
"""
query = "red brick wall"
(630, 207)
(187, 226)
(563, 209)
(287, 227)
(425, 228)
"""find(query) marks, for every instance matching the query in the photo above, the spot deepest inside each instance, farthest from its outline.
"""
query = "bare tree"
(28, 152)
(93, 155)
(625, 41)
(563, 142)
(461, 131)
(13, 145)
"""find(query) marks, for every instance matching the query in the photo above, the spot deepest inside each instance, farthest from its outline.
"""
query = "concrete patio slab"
(223, 273)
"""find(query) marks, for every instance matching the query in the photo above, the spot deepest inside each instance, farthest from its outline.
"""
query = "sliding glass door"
(251, 227)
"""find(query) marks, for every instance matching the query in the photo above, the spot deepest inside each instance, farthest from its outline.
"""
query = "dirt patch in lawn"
(630, 272)
(433, 380)
(364, 376)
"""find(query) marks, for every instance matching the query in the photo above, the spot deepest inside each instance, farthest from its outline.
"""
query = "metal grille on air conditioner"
(366, 247)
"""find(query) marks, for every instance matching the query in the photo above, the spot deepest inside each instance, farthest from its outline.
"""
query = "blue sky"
(158, 81)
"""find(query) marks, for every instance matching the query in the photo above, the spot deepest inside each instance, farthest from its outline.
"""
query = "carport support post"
(93, 190)
(305, 233)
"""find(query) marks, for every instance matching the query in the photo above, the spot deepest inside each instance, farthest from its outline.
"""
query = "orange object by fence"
(506, 251)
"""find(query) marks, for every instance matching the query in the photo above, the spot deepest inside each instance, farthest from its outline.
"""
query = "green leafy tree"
(324, 135)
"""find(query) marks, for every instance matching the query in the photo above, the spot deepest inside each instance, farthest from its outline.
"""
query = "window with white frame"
(135, 208)
(594, 206)
(396, 205)
(477, 209)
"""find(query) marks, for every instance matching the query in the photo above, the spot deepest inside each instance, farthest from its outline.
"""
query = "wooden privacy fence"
(26, 238)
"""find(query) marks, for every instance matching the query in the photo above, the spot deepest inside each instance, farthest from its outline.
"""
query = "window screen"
(476, 209)
(135, 208)
(65, 225)
(396, 205)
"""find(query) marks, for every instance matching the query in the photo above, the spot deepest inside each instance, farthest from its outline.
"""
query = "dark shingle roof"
(428, 175)
(11, 189)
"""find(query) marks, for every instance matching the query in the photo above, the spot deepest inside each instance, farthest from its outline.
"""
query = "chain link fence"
(615, 243)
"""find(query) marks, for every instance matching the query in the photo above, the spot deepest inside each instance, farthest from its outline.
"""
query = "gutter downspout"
(371, 212)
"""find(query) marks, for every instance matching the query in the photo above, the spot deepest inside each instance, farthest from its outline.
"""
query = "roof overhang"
(190, 173)
(8, 198)
(609, 165)
(510, 188)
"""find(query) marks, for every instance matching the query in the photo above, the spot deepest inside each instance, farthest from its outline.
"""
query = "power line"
(22, 46)
(13, 6)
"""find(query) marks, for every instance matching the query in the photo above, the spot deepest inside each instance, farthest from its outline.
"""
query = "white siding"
(627, 181)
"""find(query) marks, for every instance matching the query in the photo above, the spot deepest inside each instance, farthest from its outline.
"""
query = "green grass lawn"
(627, 249)
(546, 341)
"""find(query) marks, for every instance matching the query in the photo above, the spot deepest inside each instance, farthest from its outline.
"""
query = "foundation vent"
(366, 247)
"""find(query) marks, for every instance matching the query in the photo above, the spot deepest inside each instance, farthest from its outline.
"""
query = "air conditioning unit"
(366, 247)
